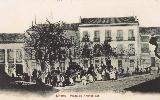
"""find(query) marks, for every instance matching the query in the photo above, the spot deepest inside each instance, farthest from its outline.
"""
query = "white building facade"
(12, 54)
(123, 33)
(147, 55)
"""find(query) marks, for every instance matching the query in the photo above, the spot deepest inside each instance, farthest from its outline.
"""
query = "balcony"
(119, 38)
(131, 38)
(144, 50)
(85, 39)
(108, 39)
(96, 39)
(131, 53)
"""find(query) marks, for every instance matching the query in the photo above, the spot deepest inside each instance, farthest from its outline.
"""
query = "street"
(110, 85)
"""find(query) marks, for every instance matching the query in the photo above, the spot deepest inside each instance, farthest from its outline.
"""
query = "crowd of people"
(80, 74)
(77, 74)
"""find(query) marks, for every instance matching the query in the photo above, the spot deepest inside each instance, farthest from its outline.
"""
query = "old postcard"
(80, 49)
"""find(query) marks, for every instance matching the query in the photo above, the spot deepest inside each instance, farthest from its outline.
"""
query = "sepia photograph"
(80, 49)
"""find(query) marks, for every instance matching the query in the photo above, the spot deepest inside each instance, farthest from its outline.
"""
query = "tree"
(153, 41)
(97, 50)
(49, 42)
(86, 51)
(108, 50)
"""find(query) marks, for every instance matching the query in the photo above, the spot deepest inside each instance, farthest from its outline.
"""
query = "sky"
(17, 15)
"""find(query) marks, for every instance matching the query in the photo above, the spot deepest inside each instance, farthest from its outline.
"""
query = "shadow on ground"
(152, 86)
(38, 89)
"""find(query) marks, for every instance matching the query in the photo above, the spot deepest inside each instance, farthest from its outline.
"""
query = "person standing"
(103, 75)
(62, 80)
(66, 79)
(58, 80)
(84, 80)
(34, 75)
(107, 74)
(49, 78)
(90, 78)
(54, 80)
(78, 78)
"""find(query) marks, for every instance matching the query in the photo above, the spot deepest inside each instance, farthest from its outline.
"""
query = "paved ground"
(152, 86)
(111, 85)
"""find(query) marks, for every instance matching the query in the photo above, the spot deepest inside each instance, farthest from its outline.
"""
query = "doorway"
(120, 65)
(19, 69)
(2, 68)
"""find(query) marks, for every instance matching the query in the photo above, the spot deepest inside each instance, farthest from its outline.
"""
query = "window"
(131, 35)
(158, 38)
(120, 48)
(131, 48)
(145, 48)
(144, 38)
(108, 35)
(10, 53)
(120, 64)
(158, 50)
(132, 63)
(85, 34)
(18, 55)
(119, 35)
(96, 36)
(10, 68)
(2, 55)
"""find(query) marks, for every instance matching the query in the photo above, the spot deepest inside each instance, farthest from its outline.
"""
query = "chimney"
(80, 19)
(35, 20)
(32, 24)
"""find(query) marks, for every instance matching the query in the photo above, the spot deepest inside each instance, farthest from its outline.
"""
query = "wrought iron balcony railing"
(85, 39)
(96, 39)
(109, 39)
(131, 38)
(119, 38)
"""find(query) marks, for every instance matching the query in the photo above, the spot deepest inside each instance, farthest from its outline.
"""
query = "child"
(78, 78)
(71, 80)
(84, 80)
(58, 80)
(62, 81)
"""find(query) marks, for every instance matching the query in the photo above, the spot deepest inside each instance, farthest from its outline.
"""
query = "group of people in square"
(81, 75)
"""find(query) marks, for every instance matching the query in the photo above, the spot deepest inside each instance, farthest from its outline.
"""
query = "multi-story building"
(12, 53)
(122, 33)
(147, 55)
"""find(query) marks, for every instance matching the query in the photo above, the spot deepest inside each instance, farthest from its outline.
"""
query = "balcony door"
(119, 65)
